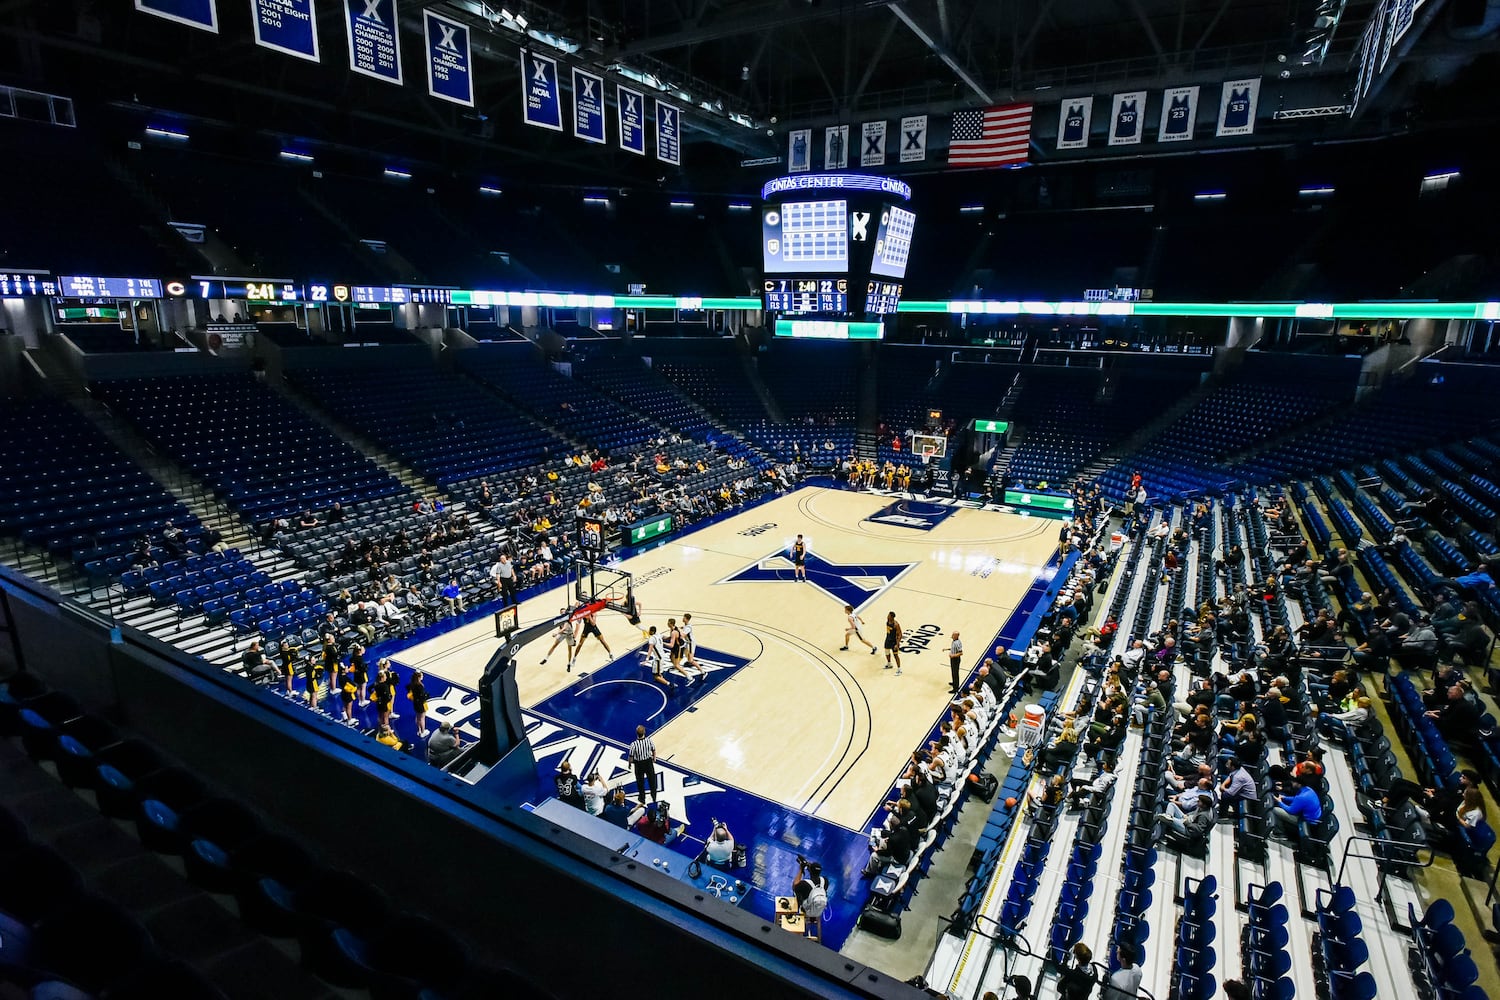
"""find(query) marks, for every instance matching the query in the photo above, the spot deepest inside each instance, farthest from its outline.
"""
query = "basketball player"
(676, 647)
(799, 560)
(853, 629)
(690, 645)
(590, 628)
(893, 636)
(654, 656)
(566, 632)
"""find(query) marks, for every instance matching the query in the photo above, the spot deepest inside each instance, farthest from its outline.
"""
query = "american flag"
(994, 137)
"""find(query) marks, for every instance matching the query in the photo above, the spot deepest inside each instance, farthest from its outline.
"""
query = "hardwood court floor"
(801, 724)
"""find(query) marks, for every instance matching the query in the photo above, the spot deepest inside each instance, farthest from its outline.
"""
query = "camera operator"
(810, 888)
(720, 845)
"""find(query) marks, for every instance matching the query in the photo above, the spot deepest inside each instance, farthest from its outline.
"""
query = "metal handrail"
(1415, 847)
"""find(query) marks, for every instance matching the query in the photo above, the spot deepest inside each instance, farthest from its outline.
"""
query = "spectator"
(1125, 982)
(255, 666)
(1092, 791)
(453, 597)
(810, 888)
(568, 788)
(1303, 806)
(1075, 981)
(444, 745)
(1238, 786)
(363, 621)
(1458, 718)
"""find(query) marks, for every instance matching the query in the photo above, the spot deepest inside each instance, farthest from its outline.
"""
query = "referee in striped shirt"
(643, 759)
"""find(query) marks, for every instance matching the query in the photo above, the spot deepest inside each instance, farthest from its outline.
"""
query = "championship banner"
(450, 66)
(1237, 107)
(914, 139)
(1125, 118)
(631, 106)
(872, 150)
(1179, 110)
(798, 156)
(1073, 120)
(836, 147)
(668, 133)
(588, 106)
(374, 39)
(198, 13)
(288, 26)
(541, 100)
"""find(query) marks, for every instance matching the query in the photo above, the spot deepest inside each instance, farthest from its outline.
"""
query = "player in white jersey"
(855, 622)
(566, 633)
(656, 655)
(689, 644)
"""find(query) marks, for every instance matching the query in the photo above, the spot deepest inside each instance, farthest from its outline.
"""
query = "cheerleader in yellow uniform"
(889, 473)
(904, 474)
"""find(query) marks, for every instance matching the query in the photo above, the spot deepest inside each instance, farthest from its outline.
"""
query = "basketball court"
(792, 742)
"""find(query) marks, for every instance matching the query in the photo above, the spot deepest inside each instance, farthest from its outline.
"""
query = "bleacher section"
(256, 449)
(445, 426)
(67, 490)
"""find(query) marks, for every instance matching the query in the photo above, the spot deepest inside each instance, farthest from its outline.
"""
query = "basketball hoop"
(927, 453)
(584, 610)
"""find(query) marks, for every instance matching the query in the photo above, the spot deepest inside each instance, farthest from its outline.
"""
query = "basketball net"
(927, 453)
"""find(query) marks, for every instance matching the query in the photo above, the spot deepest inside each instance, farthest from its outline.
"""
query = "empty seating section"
(563, 402)
(256, 449)
(1068, 418)
(716, 380)
(445, 426)
(646, 391)
(814, 386)
(102, 338)
(1187, 456)
(66, 488)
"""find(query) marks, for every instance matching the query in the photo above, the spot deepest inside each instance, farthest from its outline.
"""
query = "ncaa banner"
(798, 155)
(668, 133)
(198, 13)
(1073, 120)
(872, 150)
(541, 100)
(1179, 109)
(588, 106)
(836, 147)
(288, 26)
(374, 39)
(450, 67)
(1237, 107)
(914, 139)
(1127, 112)
(631, 107)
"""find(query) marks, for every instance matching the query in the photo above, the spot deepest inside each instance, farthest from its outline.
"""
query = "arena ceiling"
(755, 68)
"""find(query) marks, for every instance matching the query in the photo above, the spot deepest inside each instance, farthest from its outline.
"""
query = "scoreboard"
(26, 283)
(835, 245)
(80, 286)
(807, 295)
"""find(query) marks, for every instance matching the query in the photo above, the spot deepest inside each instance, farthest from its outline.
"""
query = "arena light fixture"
(1316, 191)
(1210, 196)
(397, 174)
(739, 206)
(291, 154)
(680, 204)
(971, 209)
(595, 199)
(489, 189)
(162, 132)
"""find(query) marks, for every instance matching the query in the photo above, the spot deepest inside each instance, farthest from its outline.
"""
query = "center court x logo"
(855, 584)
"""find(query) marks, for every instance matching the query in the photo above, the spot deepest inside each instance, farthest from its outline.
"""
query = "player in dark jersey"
(799, 559)
(893, 635)
(590, 628)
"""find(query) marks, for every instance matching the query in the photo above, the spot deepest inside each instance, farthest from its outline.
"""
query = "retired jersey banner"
(450, 66)
(198, 13)
(1237, 107)
(1179, 109)
(872, 149)
(374, 39)
(1073, 120)
(632, 113)
(914, 139)
(588, 106)
(289, 26)
(836, 147)
(1127, 112)
(798, 153)
(541, 97)
(668, 133)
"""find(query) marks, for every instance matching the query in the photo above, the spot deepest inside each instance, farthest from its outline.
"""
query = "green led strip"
(997, 307)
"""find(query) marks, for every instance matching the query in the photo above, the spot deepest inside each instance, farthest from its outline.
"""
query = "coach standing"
(643, 759)
(955, 660)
